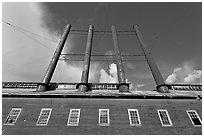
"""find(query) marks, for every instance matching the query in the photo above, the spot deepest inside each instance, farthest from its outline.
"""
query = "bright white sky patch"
(24, 52)
(194, 77)
(111, 77)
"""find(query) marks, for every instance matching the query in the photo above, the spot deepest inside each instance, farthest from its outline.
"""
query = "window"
(195, 119)
(73, 119)
(104, 117)
(100, 86)
(164, 117)
(44, 117)
(13, 116)
(134, 117)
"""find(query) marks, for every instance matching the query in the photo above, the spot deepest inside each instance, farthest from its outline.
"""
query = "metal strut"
(84, 86)
(53, 63)
(161, 86)
(122, 86)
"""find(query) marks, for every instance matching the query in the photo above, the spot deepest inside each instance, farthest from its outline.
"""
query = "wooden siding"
(88, 122)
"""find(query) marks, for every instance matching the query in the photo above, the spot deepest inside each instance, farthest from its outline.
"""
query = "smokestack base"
(123, 87)
(83, 87)
(163, 88)
(41, 87)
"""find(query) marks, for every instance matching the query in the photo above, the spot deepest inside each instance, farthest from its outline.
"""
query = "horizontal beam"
(90, 95)
(104, 31)
(105, 60)
(101, 55)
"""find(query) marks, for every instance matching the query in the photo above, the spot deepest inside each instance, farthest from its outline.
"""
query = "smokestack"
(122, 86)
(161, 86)
(84, 85)
(53, 63)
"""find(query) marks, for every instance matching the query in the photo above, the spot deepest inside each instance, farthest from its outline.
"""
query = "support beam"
(84, 85)
(161, 86)
(122, 86)
(53, 63)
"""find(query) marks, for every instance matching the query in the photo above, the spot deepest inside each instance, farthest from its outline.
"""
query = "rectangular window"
(13, 116)
(134, 117)
(164, 117)
(104, 117)
(73, 119)
(44, 117)
(195, 119)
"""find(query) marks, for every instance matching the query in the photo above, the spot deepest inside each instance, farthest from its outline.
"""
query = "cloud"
(140, 85)
(105, 78)
(111, 77)
(27, 56)
(96, 12)
(113, 70)
(185, 74)
(194, 77)
(71, 72)
(23, 51)
(173, 77)
(136, 87)
(130, 65)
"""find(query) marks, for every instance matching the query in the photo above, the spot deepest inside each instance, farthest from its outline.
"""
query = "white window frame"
(138, 117)
(68, 121)
(191, 118)
(108, 118)
(12, 115)
(171, 124)
(47, 120)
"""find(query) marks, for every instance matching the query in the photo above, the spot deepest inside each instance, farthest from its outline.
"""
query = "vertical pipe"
(123, 86)
(53, 63)
(84, 86)
(161, 86)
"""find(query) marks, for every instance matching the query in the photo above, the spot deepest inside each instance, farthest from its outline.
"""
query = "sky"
(172, 32)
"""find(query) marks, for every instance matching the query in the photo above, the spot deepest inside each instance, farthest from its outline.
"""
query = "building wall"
(88, 123)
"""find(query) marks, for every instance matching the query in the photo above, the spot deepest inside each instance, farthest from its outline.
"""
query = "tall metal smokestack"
(84, 85)
(161, 86)
(123, 86)
(53, 63)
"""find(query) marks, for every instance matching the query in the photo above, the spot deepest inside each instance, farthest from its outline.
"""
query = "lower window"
(134, 117)
(195, 119)
(164, 117)
(73, 119)
(104, 117)
(44, 117)
(13, 116)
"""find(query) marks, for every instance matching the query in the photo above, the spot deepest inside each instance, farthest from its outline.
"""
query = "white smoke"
(185, 74)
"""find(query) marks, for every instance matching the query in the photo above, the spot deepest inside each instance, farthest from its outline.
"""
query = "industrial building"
(46, 108)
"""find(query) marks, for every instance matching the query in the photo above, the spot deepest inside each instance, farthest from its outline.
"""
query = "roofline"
(120, 96)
